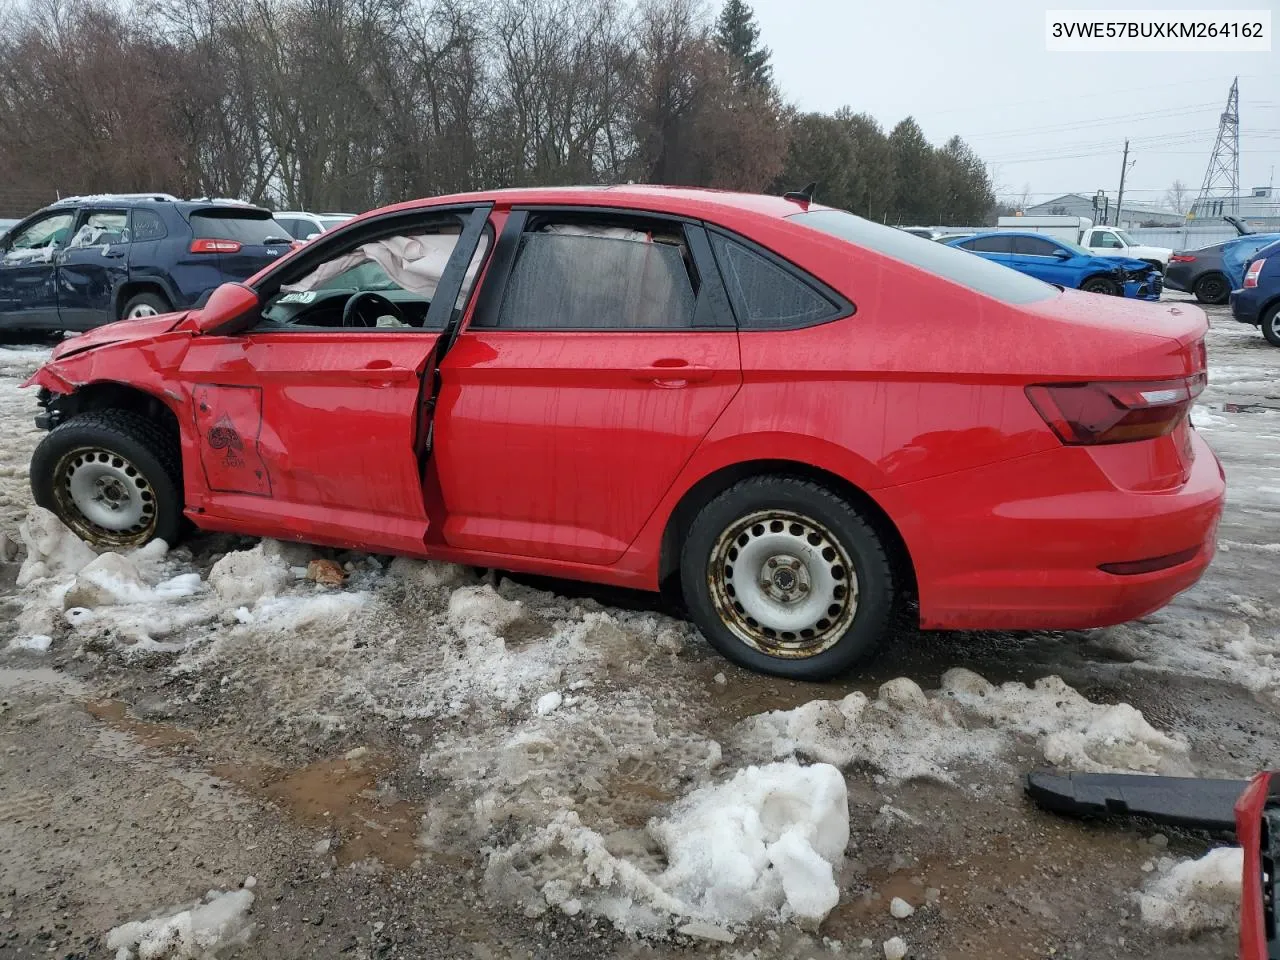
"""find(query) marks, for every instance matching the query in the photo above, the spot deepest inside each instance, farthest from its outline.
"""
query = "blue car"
(86, 261)
(1258, 299)
(1066, 264)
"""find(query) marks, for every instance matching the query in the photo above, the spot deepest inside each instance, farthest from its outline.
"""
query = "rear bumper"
(1245, 306)
(988, 556)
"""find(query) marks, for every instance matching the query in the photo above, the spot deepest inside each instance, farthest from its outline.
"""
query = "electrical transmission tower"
(1220, 192)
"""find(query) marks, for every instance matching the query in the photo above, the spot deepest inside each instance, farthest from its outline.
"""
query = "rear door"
(243, 239)
(92, 267)
(996, 246)
(310, 428)
(601, 352)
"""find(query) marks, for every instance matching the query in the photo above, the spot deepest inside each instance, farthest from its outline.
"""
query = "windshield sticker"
(306, 297)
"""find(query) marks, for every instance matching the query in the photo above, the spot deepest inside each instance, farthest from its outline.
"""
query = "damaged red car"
(805, 422)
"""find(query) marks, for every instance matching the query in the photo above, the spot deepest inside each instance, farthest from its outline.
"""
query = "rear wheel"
(1271, 325)
(1103, 285)
(145, 305)
(113, 477)
(1212, 288)
(784, 577)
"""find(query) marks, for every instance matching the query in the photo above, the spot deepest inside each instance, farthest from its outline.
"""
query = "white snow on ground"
(905, 733)
(197, 931)
(1189, 896)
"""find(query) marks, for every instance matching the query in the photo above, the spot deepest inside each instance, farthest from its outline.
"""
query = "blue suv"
(86, 261)
(1066, 264)
(1258, 299)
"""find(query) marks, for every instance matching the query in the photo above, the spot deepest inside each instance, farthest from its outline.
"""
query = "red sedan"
(804, 420)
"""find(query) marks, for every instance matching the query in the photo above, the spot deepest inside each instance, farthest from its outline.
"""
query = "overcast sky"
(1056, 121)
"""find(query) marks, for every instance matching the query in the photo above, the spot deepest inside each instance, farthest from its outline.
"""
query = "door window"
(1106, 240)
(100, 228)
(995, 243)
(600, 277)
(399, 273)
(1034, 247)
(765, 294)
(37, 241)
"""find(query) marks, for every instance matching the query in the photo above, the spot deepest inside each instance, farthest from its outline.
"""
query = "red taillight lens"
(1182, 258)
(296, 244)
(1251, 275)
(1102, 412)
(215, 246)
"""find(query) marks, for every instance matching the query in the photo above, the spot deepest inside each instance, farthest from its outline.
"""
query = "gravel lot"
(384, 760)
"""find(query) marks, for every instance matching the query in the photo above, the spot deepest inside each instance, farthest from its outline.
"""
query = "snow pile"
(52, 549)
(764, 845)
(1189, 896)
(198, 931)
(247, 576)
(906, 734)
(768, 838)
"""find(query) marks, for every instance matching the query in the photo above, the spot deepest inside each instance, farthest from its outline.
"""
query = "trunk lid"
(243, 239)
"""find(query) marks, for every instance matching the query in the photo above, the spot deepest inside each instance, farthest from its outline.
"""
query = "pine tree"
(738, 35)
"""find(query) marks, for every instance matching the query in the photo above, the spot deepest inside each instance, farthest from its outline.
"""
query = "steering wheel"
(354, 316)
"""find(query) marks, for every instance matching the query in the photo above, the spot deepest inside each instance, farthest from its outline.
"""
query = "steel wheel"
(140, 310)
(104, 498)
(783, 584)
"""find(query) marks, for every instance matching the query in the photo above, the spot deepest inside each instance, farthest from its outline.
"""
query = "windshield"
(951, 263)
(1126, 239)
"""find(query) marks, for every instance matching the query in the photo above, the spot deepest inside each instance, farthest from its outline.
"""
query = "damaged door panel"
(228, 421)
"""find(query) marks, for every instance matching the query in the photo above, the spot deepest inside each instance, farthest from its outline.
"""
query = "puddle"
(115, 713)
(342, 797)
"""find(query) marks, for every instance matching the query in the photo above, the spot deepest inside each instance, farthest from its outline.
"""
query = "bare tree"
(1178, 197)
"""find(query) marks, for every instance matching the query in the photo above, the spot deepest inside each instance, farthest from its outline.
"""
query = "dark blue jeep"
(86, 261)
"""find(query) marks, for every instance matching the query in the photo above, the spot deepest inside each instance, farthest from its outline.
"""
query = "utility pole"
(1124, 168)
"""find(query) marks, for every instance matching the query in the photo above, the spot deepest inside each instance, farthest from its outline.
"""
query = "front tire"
(1103, 285)
(113, 476)
(145, 305)
(1212, 288)
(784, 577)
(1271, 325)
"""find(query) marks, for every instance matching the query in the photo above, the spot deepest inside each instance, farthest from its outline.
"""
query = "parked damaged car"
(86, 261)
(742, 399)
(1067, 264)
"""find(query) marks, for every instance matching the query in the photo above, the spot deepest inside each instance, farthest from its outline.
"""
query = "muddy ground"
(353, 762)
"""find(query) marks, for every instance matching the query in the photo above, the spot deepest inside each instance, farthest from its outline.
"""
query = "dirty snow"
(197, 931)
(906, 734)
(1190, 896)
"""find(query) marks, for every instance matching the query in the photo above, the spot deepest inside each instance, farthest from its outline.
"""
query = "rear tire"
(113, 476)
(784, 577)
(1212, 288)
(1103, 285)
(145, 305)
(1271, 325)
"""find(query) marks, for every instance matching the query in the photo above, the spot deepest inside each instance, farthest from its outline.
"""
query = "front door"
(1039, 257)
(593, 367)
(28, 272)
(307, 425)
(94, 264)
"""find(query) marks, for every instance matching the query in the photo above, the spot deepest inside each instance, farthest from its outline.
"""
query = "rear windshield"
(246, 226)
(951, 263)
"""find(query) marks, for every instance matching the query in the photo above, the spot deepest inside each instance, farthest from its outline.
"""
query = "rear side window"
(976, 273)
(236, 225)
(1034, 246)
(581, 281)
(147, 225)
(765, 294)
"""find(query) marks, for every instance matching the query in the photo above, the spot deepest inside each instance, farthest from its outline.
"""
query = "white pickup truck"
(1103, 241)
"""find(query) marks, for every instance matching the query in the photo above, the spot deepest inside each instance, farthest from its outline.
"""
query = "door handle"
(381, 371)
(674, 372)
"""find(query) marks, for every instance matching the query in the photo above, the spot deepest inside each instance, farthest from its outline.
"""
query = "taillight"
(215, 246)
(296, 244)
(1251, 275)
(1104, 412)
(1182, 258)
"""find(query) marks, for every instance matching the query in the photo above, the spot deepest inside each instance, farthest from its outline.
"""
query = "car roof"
(687, 201)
